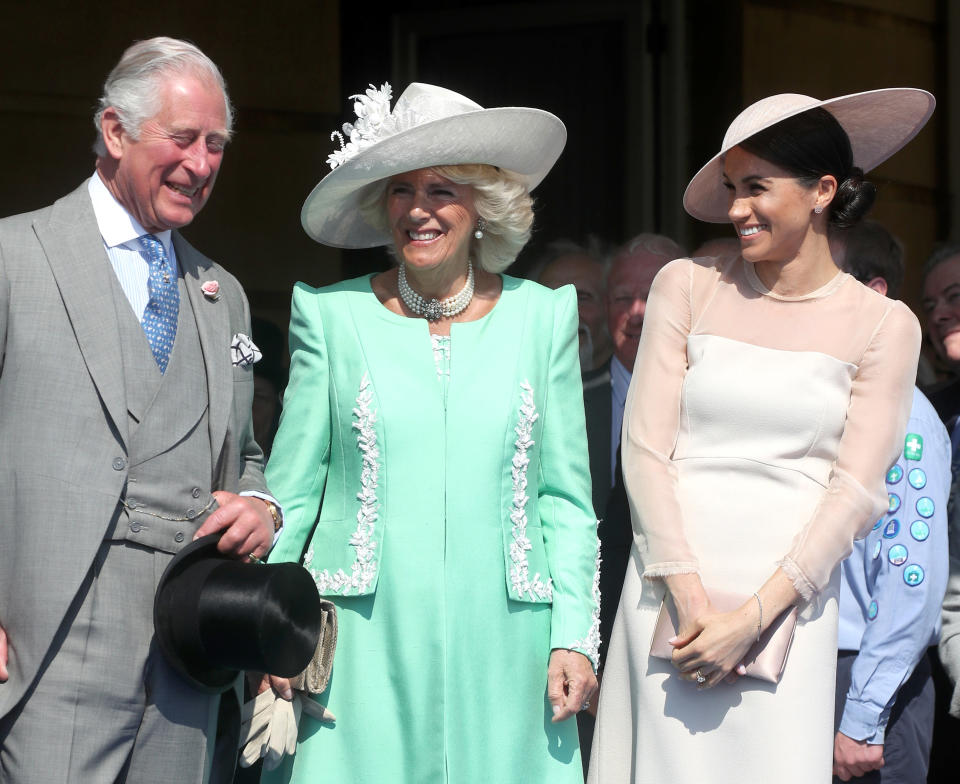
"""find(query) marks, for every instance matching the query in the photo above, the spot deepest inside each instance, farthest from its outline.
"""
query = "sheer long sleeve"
(872, 439)
(651, 422)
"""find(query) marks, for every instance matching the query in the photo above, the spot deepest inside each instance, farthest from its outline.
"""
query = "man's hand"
(3, 656)
(246, 523)
(570, 683)
(855, 757)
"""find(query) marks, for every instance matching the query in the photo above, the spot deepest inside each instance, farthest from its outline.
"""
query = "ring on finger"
(701, 678)
(253, 559)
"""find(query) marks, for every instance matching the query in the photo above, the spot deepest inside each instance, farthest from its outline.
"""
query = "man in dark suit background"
(125, 432)
(627, 286)
(565, 262)
(628, 282)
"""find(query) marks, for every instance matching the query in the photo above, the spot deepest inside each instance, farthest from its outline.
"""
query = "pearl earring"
(481, 225)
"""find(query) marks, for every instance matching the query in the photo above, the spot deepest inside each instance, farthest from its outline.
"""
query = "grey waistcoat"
(168, 463)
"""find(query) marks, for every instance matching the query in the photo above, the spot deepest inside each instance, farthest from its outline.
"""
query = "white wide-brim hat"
(429, 126)
(878, 123)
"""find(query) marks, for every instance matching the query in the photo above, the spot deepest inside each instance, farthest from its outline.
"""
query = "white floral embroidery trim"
(520, 579)
(364, 568)
(591, 643)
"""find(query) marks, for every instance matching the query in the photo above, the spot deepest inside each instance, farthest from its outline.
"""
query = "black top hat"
(214, 616)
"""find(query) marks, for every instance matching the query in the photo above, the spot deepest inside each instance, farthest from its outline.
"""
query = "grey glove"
(270, 724)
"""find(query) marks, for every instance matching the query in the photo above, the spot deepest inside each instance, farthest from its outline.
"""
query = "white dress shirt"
(120, 232)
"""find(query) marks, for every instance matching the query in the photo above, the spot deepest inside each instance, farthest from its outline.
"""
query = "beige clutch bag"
(764, 661)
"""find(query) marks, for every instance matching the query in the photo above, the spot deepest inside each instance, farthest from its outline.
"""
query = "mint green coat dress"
(449, 519)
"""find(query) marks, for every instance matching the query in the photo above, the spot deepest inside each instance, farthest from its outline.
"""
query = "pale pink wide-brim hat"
(428, 126)
(878, 123)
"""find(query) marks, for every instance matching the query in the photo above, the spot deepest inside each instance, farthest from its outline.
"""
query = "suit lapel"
(213, 326)
(75, 253)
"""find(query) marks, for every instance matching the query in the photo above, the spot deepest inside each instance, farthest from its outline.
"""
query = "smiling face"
(628, 288)
(431, 219)
(941, 303)
(164, 177)
(770, 209)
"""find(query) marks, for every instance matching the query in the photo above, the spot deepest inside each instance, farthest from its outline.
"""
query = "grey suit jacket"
(63, 416)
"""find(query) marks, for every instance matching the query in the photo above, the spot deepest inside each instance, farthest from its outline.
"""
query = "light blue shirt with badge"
(894, 580)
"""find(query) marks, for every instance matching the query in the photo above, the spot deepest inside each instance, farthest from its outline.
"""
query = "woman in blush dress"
(770, 395)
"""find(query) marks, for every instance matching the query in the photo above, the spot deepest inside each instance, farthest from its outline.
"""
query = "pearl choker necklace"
(435, 309)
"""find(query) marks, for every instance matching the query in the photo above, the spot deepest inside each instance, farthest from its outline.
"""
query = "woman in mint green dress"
(432, 461)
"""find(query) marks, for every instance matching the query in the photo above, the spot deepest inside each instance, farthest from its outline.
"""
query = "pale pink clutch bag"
(764, 661)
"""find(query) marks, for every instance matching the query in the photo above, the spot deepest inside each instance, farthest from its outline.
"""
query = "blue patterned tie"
(160, 316)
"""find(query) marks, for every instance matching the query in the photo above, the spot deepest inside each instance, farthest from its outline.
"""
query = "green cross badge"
(913, 446)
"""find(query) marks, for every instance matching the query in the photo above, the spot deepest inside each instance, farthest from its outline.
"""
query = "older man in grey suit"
(125, 432)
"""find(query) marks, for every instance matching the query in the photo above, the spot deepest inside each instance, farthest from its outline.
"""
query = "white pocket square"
(244, 351)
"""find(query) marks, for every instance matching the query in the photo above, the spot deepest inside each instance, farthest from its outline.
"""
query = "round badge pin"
(897, 555)
(893, 503)
(917, 478)
(894, 475)
(877, 524)
(913, 575)
(872, 610)
(891, 529)
(919, 530)
(925, 506)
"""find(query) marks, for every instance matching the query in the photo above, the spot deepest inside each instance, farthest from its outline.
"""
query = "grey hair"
(654, 244)
(133, 86)
(500, 197)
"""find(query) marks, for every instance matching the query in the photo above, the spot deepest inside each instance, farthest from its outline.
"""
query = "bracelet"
(760, 622)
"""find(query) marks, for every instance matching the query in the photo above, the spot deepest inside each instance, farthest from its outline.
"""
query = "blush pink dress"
(756, 434)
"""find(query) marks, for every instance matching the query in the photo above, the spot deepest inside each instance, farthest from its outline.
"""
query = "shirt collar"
(117, 226)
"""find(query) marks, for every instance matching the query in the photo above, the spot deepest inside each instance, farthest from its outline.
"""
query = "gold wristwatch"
(275, 514)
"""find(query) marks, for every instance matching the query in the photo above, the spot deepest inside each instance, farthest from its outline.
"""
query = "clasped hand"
(713, 645)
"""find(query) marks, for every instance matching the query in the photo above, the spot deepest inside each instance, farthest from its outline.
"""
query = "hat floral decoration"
(374, 121)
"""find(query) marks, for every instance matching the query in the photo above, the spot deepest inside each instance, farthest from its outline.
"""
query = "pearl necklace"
(435, 309)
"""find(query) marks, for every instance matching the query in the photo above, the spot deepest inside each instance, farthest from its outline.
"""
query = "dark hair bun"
(855, 197)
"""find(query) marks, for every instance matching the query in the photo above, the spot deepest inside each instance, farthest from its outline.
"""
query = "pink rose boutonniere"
(211, 290)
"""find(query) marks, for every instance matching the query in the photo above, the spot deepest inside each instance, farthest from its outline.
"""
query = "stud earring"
(481, 225)
(818, 209)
